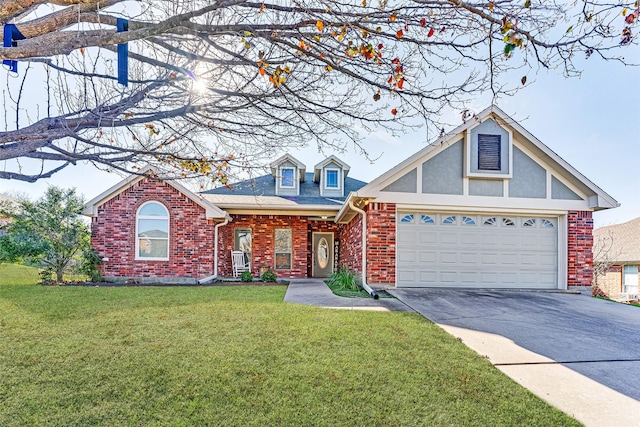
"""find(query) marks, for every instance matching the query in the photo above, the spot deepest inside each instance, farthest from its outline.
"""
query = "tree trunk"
(59, 273)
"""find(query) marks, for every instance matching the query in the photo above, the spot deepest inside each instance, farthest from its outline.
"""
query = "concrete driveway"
(539, 335)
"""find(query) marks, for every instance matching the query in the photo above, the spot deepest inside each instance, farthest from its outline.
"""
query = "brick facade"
(579, 248)
(263, 251)
(350, 236)
(190, 241)
(381, 243)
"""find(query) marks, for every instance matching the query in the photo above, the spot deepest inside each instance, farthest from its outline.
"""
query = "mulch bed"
(185, 285)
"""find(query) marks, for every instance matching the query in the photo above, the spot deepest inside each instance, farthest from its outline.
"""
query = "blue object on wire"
(123, 53)
(11, 34)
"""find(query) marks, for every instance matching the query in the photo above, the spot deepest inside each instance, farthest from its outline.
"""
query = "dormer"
(330, 175)
(489, 151)
(288, 172)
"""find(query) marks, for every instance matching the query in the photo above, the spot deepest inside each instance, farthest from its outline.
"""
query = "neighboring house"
(617, 247)
(487, 205)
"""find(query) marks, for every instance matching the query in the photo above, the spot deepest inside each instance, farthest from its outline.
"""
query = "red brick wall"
(190, 234)
(263, 231)
(580, 245)
(350, 236)
(381, 243)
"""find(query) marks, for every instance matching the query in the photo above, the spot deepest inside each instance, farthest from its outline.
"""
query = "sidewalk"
(315, 292)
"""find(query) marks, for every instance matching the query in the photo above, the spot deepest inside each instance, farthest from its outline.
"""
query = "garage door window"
(468, 221)
(491, 222)
(529, 223)
(407, 218)
(546, 223)
(508, 222)
(450, 220)
(426, 219)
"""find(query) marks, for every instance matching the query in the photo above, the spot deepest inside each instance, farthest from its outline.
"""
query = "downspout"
(365, 286)
(215, 253)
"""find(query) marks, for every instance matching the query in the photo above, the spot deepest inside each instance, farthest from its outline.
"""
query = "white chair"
(240, 263)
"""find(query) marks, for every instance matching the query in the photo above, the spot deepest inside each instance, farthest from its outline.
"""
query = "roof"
(260, 193)
(598, 198)
(620, 241)
(91, 207)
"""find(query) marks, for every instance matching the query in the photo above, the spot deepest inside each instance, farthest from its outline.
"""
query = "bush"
(269, 276)
(89, 265)
(343, 280)
(246, 276)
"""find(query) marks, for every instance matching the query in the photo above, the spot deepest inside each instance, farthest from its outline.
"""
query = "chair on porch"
(240, 263)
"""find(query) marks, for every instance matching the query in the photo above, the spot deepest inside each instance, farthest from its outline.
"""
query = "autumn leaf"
(262, 71)
(400, 83)
(423, 22)
(394, 111)
(399, 34)
(82, 50)
(431, 32)
(392, 17)
(319, 25)
(523, 80)
(527, 3)
(491, 6)
(376, 96)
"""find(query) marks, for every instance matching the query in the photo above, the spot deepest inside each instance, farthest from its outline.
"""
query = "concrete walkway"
(315, 292)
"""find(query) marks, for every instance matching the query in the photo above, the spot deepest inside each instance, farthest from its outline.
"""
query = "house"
(486, 205)
(617, 250)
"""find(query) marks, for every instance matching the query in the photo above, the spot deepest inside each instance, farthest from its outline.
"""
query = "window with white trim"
(152, 232)
(287, 178)
(332, 179)
(283, 248)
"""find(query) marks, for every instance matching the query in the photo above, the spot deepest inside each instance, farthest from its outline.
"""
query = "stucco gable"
(567, 180)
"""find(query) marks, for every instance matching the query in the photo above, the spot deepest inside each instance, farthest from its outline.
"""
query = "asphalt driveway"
(599, 339)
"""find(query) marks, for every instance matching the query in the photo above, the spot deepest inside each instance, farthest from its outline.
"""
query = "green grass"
(237, 356)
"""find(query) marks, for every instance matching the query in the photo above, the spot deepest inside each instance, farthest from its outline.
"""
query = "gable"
(91, 207)
(517, 172)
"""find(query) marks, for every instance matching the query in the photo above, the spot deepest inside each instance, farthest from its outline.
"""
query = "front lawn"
(237, 356)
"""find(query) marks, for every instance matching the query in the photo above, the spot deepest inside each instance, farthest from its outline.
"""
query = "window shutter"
(489, 152)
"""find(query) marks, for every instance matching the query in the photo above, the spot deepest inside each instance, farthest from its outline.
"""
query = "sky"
(592, 122)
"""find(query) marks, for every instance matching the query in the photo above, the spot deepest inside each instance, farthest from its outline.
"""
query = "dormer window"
(332, 179)
(489, 152)
(287, 178)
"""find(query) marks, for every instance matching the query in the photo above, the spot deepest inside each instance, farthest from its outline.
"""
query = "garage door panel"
(428, 237)
(448, 238)
(428, 257)
(449, 257)
(499, 254)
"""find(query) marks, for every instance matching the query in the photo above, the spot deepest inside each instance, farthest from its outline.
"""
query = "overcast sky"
(592, 122)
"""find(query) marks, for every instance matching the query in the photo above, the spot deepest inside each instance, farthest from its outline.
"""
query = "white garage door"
(476, 251)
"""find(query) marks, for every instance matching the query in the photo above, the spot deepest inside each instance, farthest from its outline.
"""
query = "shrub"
(89, 265)
(269, 276)
(343, 280)
(246, 276)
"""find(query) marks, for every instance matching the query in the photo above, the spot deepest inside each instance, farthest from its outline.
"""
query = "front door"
(322, 254)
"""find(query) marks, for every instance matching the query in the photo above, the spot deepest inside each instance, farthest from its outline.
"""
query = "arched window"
(152, 232)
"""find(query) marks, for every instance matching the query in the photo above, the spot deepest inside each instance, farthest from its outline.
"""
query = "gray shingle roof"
(624, 240)
(309, 191)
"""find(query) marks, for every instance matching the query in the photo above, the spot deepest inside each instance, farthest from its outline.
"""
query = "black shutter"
(489, 152)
